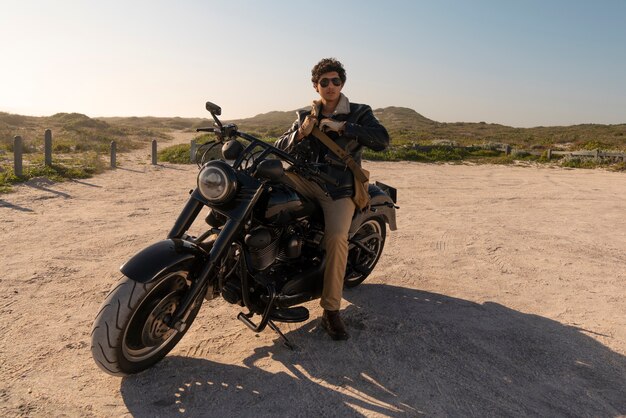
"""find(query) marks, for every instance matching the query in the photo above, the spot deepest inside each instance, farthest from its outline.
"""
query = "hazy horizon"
(208, 116)
(522, 64)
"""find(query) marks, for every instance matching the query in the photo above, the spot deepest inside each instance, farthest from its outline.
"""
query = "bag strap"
(341, 153)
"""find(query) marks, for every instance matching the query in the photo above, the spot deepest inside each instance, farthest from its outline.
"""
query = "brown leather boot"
(332, 323)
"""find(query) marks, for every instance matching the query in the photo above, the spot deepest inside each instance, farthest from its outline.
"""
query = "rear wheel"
(130, 334)
(364, 251)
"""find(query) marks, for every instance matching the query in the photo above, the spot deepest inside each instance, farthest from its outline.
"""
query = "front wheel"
(129, 333)
(364, 251)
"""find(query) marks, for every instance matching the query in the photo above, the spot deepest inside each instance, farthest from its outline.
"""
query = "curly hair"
(327, 65)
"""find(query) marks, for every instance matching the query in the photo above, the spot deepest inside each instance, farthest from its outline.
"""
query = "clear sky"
(515, 62)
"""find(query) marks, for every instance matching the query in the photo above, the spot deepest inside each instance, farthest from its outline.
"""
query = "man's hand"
(306, 127)
(331, 125)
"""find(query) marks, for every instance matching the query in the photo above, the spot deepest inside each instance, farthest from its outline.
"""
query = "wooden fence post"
(113, 156)
(47, 147)
(597, 154)
(154, 152)
(549, 154)
(192, 151)
(507, 149)
(17, 155)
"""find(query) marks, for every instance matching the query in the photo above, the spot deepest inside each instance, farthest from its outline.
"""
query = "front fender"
(148, 263)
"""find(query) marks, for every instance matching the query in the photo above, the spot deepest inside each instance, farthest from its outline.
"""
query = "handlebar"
(222, 131)
(229, 131)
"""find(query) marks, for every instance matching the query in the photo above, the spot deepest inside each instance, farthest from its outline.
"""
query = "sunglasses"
(324, 82)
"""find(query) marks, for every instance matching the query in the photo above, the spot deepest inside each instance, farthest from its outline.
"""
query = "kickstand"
(285, 340)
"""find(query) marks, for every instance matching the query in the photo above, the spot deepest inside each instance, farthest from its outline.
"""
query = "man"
(352, 126)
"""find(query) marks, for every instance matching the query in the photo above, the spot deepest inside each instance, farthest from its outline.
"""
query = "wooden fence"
(548, 153)
(18, 149)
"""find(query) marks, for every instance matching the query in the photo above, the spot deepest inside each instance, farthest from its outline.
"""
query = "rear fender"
(148, 263)
(381, 205)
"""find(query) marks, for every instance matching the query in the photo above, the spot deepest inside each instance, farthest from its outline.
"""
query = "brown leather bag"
(361, 195)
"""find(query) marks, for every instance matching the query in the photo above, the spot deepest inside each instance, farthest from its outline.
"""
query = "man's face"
(327, 88)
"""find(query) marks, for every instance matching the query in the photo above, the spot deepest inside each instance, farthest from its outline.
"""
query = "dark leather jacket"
(361, 129)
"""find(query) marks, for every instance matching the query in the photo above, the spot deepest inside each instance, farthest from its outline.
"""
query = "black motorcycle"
(261, 250)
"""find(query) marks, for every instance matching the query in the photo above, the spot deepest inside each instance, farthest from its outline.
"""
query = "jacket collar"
(343, 107)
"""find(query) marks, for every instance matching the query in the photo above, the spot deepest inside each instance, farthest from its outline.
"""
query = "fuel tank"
(281, 205)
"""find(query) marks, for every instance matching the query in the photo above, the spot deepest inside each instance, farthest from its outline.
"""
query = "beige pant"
(337, 218)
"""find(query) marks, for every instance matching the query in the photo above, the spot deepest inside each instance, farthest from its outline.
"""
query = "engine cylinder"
(263, 247)
(293, 246)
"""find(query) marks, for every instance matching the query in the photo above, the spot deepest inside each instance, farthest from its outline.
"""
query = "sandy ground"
(502, 293)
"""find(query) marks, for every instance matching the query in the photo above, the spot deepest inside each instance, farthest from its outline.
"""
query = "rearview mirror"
(213, 108)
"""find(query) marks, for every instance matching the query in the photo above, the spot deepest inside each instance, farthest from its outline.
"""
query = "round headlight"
(217, 182)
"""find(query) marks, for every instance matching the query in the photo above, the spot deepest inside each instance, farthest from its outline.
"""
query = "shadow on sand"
(410, 353)
(43, 184)
(132, 170)
(84, 183)
(9, 205)
(171, 167)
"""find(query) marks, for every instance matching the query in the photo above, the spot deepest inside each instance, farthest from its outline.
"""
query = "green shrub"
(445, 154)
(432, 154)
(485, 153)
(592, 145)
(503, 159)
(175, 154)
(62, 147)
(7, 178)
(580, 163)
(377, 155)
(81, 166)
(180, 154)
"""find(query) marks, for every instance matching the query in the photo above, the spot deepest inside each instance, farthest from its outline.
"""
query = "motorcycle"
(262, 250)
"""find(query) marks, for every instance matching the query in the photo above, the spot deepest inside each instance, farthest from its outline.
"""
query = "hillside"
(408, 126)
(396, 119)
(151, 122)
(75, 132)
(405, 126)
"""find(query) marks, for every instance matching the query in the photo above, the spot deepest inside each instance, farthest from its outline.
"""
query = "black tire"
(128, 334)
(371, 234)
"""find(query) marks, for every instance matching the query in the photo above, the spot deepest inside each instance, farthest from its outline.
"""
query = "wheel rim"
(370, 236)
(147, 333)
(155, 330)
